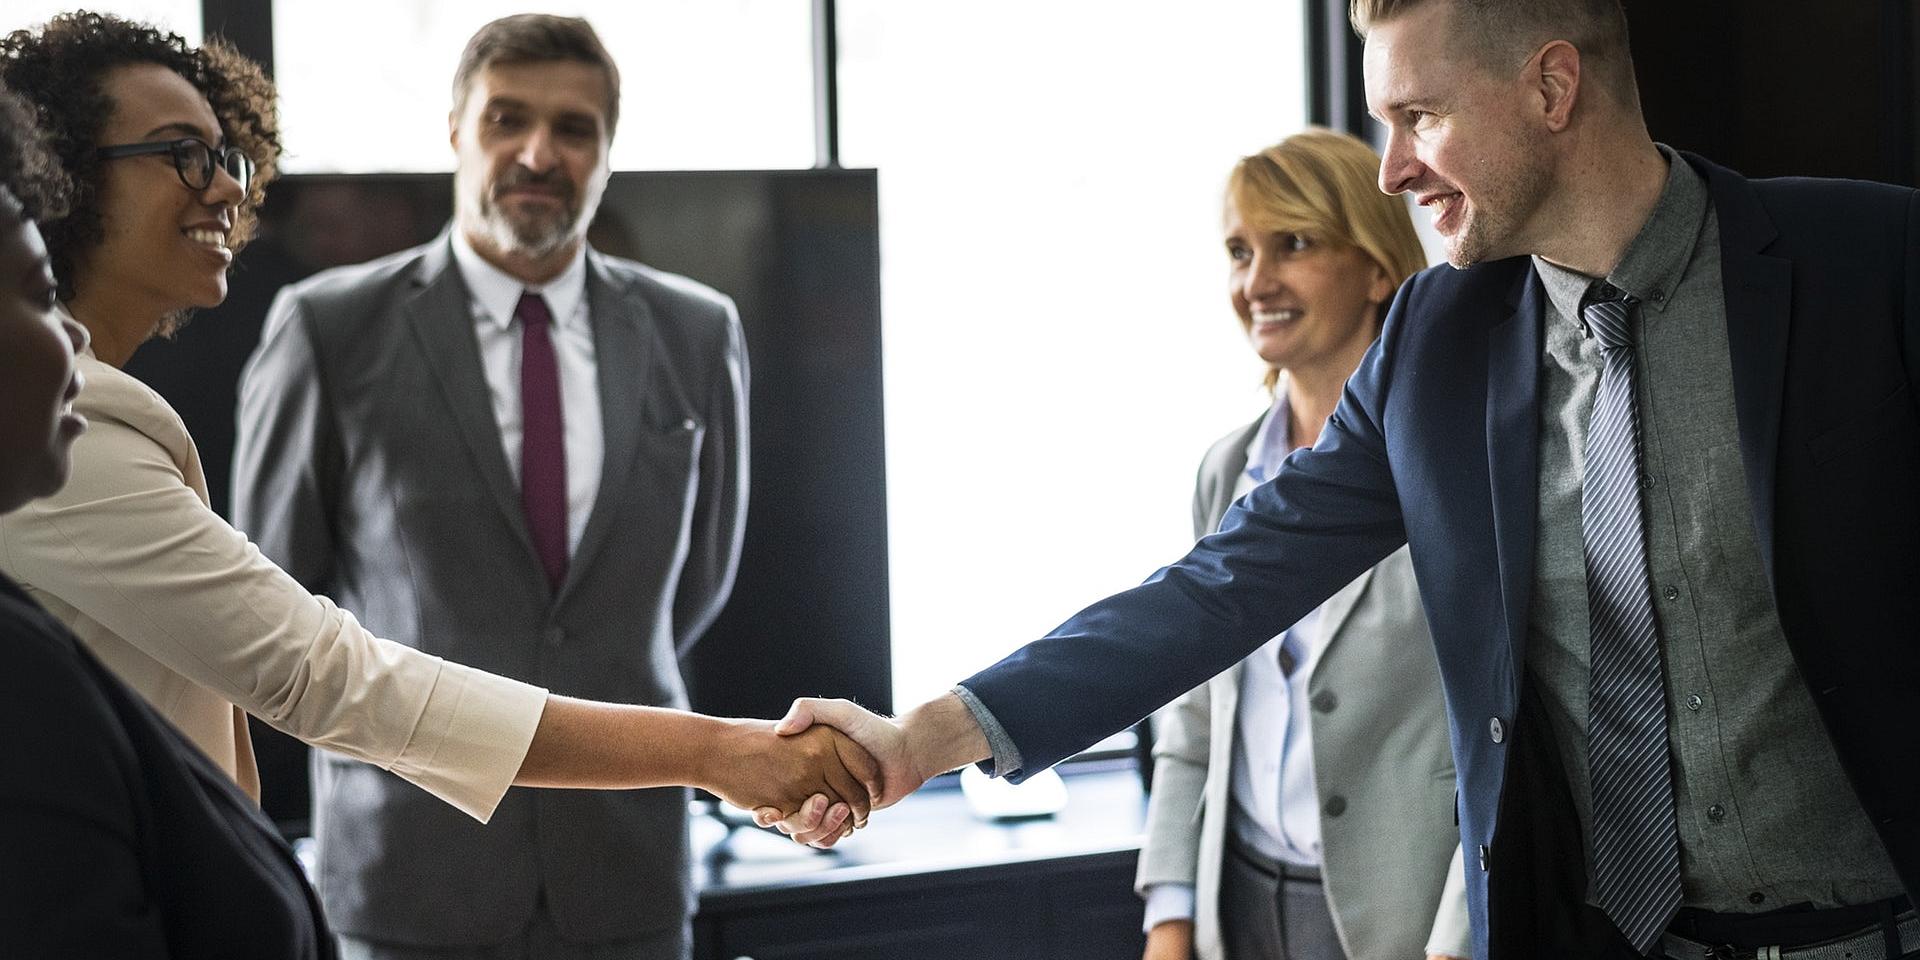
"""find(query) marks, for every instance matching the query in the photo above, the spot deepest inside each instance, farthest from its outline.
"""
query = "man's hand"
(1170, 940)
(818, 775)
(930, 740)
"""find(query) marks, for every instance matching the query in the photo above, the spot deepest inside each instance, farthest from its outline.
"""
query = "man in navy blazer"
(1778, 341)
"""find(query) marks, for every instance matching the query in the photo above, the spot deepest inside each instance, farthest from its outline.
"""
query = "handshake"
(819, 772)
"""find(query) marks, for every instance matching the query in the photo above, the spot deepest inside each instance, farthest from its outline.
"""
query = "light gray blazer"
(369, 465)
(1382, 764)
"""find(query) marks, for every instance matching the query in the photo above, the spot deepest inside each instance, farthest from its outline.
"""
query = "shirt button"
(1671, 593)
(556, 636)
(1497, 730)
(1336, 805)
(1325, 701)
(1716, 813)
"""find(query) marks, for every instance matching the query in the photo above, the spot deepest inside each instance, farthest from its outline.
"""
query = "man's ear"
(453, 130)
(1555, 74)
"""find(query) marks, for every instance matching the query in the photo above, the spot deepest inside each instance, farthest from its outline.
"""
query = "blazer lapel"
(623, 351)
(1758, 290)
(1339, 607)
(441, 315)
(1513, 452)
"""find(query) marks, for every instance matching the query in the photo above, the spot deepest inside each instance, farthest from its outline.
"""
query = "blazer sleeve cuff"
(1006, 760)
(472, 738)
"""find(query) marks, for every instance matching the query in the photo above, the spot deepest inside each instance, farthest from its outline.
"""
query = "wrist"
(941, 735)
(714, 746)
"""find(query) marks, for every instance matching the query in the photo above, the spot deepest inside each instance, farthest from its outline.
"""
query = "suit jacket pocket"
(1890, 419)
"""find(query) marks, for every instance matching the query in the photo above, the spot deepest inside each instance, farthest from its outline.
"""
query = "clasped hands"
(818, 773)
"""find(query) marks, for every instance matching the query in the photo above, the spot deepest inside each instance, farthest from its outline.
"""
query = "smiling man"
(1653, 442)
(511, 450)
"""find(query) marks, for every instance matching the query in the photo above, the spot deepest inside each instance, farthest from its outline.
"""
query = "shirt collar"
(1658, 255)
(1274, 440)
(496, 292)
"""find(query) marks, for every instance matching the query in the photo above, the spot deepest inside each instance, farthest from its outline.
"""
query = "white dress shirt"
(1276, 809)
(494, 294)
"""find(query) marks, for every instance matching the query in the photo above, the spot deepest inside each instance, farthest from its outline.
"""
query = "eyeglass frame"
(217, 159)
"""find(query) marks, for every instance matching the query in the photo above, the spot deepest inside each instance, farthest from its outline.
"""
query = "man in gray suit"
(508, 449)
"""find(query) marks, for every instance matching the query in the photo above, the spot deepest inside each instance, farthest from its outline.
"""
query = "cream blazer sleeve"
(190, 614)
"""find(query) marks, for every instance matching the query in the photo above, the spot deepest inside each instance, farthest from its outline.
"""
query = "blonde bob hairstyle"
(1324, 184)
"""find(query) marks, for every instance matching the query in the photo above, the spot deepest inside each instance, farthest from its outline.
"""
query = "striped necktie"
(1636, 844)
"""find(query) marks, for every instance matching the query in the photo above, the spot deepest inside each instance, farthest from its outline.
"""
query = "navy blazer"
(119, 839)
(1435, 443)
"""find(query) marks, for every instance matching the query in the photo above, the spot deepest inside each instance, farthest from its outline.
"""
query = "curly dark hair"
(59, 70)
(28, 170)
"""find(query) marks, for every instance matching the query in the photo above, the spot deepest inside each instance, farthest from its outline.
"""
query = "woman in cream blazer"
(1361, 857)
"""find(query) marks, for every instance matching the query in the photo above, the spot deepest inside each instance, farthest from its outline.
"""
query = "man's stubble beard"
(1491, 231)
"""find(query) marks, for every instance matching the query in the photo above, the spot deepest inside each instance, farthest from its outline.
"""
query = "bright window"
(1059, 346)
(706, 84)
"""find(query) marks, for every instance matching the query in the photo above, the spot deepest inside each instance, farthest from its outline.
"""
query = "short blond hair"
(1324, 184)
(1502, 32)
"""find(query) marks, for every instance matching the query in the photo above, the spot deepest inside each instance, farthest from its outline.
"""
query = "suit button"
(1325, 701)
(688, 425)
(1694, 702)
(1671, 593)
(1483, 858)
(1716, 813)
(556, 636)
(1497, 729)
(1336, 805)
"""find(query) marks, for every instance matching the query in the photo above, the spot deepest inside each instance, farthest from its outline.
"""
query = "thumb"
(799, 717)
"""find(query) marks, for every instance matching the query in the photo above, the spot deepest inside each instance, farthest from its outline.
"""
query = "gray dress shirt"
(1766, 817)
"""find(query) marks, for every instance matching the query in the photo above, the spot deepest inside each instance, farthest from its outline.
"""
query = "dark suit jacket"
(370, 467)
(118, 839)
(1435, 444)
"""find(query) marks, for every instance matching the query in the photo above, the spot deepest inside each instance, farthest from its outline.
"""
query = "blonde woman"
(1302, 802)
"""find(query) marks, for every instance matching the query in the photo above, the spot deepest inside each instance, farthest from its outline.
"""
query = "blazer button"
(1325, 701)
(1497, 729)
(1483, 858)
(556, 636)
(1336, 805)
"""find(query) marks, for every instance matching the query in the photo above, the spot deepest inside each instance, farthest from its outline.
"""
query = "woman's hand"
(1170, 940)
(752, 767)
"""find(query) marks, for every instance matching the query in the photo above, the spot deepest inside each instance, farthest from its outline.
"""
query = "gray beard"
(531, 242)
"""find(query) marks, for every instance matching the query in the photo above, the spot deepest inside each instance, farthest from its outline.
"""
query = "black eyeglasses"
(193, 160)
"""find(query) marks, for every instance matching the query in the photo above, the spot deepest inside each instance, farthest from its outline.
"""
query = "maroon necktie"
(543, 448)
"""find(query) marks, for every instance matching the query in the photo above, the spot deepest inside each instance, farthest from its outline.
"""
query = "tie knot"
(532, 310)
(1608, 313)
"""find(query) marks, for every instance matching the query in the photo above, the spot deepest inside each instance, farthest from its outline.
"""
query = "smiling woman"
(147, 87)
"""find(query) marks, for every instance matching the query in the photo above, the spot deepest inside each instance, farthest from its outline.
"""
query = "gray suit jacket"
(369, 465)
(1383, 768)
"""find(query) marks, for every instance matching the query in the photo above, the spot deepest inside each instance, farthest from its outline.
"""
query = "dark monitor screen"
(799, 253)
